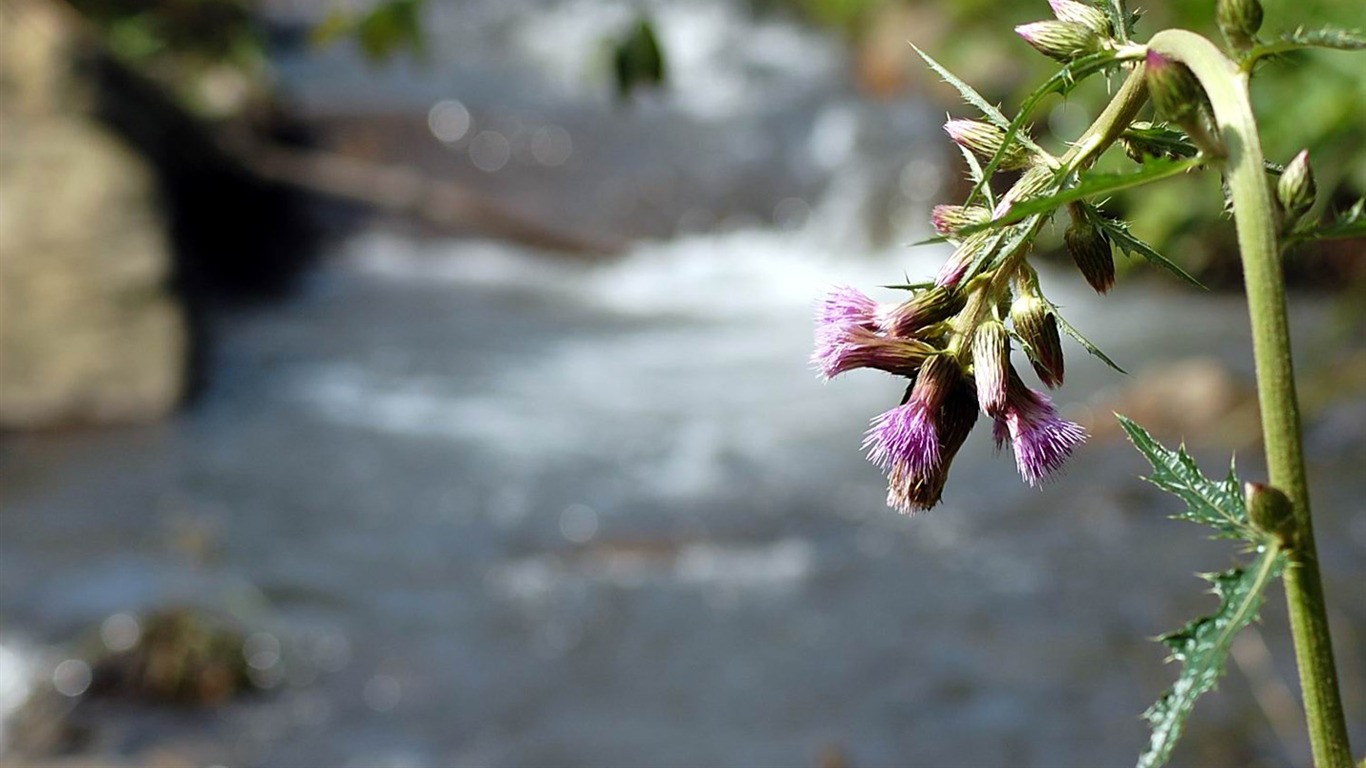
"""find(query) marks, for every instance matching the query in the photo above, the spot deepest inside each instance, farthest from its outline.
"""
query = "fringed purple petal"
(1041, 440)
(845, 305)
(905, 440)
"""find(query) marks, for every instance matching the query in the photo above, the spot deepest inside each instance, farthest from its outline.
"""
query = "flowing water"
(486, 506)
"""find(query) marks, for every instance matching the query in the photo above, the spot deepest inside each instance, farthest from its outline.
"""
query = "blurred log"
(406, 191)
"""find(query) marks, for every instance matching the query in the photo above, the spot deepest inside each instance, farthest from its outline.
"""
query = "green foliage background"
(1313, 99)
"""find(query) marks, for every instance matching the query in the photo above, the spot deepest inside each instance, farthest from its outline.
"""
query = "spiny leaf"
(969, 94)
(1114, 9)
(1218, 504)
(1062, 81)
(1352, 223)
(1003, 243)
(1202, 647)
(1120, 235)
(1164, 141)
(1086, 344)
(1159, 140)
(1328, 37)
(978, 176)
(1121, 19)
(909, 286)
(1091, 185)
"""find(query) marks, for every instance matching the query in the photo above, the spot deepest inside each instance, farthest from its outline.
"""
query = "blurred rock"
(90, 329)
(1193, 399)
(177, 657)
(181, 657)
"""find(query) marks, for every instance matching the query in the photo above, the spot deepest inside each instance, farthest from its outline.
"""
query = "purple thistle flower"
(916, 477)
(905, 440)
(842, 347)
(845, 305)
(1041, 440)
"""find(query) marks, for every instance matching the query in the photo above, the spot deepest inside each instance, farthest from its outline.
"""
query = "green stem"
(1104, 131)
(1226, 86)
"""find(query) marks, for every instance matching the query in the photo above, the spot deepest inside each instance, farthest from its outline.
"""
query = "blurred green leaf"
(1351, 224)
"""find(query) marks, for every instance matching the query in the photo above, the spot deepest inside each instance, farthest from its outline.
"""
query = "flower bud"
(1090, 249)
(955, 268)
(985, 140)
(1175, 92)
(928, 307)
(1270, 511)
(1038, 329)
(1296, 189)
(1081, 13)
(991, 364)
(1035, 181)
(1061, 40)
(1239, 20)
(948, 219)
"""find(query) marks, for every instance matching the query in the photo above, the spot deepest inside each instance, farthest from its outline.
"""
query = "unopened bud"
(1270, 511)
(1296, 189)
(1081, 13)
(1090, 249)
(955, 268)
(985, 140)
(1038, 329)
(928, 307)
(1036, 181)
(1175, 92)
(1239, 21)
(991, 364)
(1061, 40)
(948, 219)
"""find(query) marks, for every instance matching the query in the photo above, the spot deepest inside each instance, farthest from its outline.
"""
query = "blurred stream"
(505, 509)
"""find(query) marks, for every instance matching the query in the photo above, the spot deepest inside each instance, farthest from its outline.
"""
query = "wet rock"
(90, 329)
(181, 657)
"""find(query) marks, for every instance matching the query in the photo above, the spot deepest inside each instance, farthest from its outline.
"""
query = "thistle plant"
(953, 337)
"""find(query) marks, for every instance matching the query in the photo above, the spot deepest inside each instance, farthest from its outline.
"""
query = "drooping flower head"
(843, 348)
(908, 492)
(916, 441)
(845, 305)
(927, 307)
(1040, 439)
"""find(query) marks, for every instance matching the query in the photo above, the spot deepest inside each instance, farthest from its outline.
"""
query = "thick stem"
(1226, 87)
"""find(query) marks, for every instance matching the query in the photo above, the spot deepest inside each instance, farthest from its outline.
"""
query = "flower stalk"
(1225, 85)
